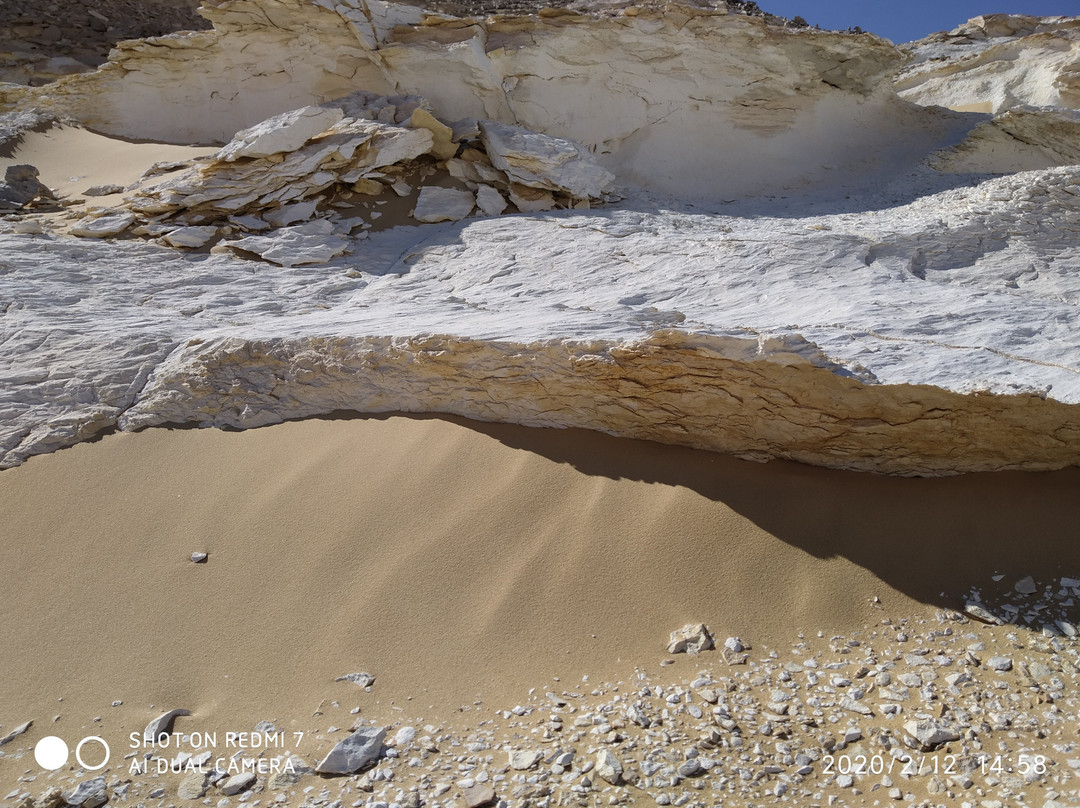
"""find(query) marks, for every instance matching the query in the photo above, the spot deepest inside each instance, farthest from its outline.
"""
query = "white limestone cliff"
(908, 306)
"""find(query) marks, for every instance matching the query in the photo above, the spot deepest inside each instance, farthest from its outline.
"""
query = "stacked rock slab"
(280, 172)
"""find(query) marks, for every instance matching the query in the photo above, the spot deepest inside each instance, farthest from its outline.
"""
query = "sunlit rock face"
(696, 101)
(684, 224)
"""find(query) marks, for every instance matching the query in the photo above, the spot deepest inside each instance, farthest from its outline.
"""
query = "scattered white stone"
(291, 214)
(490, 201)
(199, 558)
(999, 663)
(88, 794)
(301, 245)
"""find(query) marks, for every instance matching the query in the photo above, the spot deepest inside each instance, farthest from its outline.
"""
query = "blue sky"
(904, 20)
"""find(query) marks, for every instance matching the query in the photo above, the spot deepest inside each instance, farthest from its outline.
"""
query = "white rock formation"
(996, 62)
(900, 319)
(781, 108)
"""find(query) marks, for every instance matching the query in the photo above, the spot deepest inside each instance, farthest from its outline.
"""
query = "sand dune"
(454, 561)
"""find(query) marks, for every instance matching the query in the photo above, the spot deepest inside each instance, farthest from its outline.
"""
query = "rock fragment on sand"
(1000, 664)
(199, 558)
(853, 706)
(15, 733)
(238, 783)
(103, 190)
(193, 786)
(478, 795)
(693, 638)
(88, 794)
(162, 725)
(350, 755)
(979, 612)
(522, 760)
(20, 187)
(290, 775)
(443, 205)
(608, 767)
(930, 733)
(358, 679)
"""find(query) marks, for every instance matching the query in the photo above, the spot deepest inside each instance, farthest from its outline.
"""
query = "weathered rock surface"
(912, 348)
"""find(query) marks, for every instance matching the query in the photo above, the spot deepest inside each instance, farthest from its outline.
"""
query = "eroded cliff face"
(755, 398)
(995, 62)
(688, 99)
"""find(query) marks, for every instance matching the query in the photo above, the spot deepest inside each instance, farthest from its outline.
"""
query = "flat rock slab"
(282, 133)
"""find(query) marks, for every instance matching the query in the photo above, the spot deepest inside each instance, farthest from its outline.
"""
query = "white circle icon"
(51, 752)
(78, 753)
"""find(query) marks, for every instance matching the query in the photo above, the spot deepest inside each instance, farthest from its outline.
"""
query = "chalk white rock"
(112, 224)
(362, 747)
(443, 204)
(282, 133)
(542, 161)
(302, 245)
